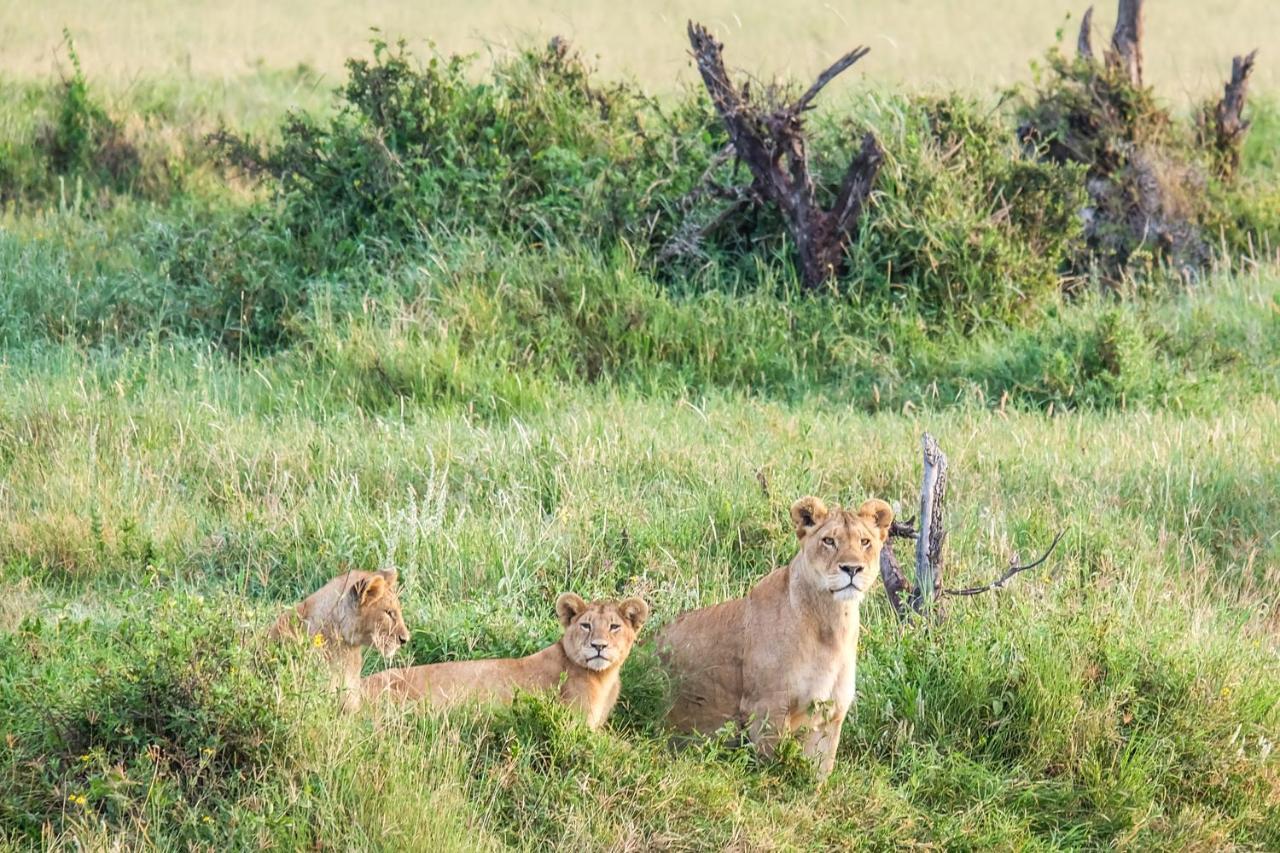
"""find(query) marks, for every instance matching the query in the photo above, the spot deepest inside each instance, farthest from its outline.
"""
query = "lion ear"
(880, 514)
(568, 606)
(369, 589)
(390, 576)
(635, 611)
(807, 514)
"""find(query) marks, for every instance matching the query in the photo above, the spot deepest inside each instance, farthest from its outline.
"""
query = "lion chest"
(829, 685)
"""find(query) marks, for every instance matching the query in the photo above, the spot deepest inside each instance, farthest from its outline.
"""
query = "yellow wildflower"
(318, 641)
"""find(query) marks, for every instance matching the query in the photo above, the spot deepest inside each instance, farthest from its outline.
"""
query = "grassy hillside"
(424, 322)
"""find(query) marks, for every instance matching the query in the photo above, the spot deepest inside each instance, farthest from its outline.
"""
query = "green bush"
(170, 713)
(962, 224)
(537, 152)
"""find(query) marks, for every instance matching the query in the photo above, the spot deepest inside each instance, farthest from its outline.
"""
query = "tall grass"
(1127, 693)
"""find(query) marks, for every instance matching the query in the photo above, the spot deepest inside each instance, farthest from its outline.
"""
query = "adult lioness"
(354, 610)
(783, 658)
(583, 664)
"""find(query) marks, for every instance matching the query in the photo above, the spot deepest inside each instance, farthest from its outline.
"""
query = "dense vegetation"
(427, 327)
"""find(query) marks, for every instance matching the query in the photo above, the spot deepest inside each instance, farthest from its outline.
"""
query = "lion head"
(840, 549)
(375, 616)
(599, 636)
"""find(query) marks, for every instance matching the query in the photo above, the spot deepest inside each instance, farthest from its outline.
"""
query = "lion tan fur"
(351, 611)
(783, 658)
(583, 665)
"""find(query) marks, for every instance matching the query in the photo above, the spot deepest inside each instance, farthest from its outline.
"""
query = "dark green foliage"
(962, 224)
(965, 228)
(536, 153)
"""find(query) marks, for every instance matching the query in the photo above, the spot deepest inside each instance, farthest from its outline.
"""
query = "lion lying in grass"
(783, 658)
(582, 665)
(354, 610)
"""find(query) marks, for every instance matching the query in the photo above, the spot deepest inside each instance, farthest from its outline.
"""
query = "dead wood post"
(926, 598)
(933, 531)
(1126, 41)
(1228, 124)
(895, 583)
(773, 145)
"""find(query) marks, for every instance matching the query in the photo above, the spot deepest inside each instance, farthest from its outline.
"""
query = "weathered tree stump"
(771, 141)
(1229, 125)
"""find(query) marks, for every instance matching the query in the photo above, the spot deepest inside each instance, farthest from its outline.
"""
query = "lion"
(783, 658)
(583, 665)
(354, 610)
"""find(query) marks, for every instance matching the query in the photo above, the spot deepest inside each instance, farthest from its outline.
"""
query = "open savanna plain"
(425, 321)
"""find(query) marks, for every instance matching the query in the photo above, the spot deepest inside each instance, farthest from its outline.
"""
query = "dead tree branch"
(1084, 41)
(1125, 54)
(772, 144)
(1014, 569)
(895, 583)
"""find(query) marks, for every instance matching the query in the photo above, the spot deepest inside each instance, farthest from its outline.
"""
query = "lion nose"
(850, 569)
(598, 646)
(404, 637)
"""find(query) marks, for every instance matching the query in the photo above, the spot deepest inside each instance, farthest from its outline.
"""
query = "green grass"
(215, 394)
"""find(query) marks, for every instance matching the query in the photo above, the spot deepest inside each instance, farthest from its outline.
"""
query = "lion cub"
(784, 657)
(583, 665)
(354, 610)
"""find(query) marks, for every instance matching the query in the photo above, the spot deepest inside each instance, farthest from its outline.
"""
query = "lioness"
(583, 664)
(783, 658)
(354, 610)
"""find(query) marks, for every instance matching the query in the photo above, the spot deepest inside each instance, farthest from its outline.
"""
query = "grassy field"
(230, 371)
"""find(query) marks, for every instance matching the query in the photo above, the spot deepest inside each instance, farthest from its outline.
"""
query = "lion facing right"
(783, 659)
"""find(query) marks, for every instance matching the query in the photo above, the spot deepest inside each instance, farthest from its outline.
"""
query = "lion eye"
(614, 627)
(866, 543)
(828, 541)
(586, 626)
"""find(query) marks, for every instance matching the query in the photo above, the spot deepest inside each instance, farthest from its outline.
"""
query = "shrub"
(1154, 197)
(537, 152)
(962, 223)
(172, 710)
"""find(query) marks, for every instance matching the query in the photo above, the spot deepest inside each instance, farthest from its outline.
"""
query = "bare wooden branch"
(1126, 41)
(1230, 126)
(1013, 569)
(835, 69)
(773, 146)
(687, 241)
(933, 532)
(895, 583)
(856, 186)
(1084, 41)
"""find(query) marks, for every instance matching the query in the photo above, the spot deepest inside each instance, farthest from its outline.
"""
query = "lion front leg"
(822, 739)
(766, 723)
